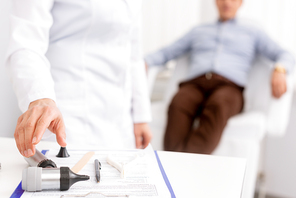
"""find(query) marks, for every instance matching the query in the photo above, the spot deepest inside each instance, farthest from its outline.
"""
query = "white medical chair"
(262, 116)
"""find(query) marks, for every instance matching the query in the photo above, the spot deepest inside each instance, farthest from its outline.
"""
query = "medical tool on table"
(97, 170)
(123, 166)
(37, 178)
(44, 174)
(63, 153)
(40, 160)
(82, 162)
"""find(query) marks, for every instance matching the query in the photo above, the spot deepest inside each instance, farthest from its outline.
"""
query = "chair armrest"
(279, 112)
(151, 77)
(248, 125)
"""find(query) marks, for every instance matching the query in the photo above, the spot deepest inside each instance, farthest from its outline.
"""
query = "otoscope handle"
(40, 160)
(37, 179)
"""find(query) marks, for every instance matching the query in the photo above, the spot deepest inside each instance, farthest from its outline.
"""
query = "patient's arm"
(271, 50)
(168, 53)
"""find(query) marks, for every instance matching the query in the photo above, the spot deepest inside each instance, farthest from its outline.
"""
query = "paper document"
(142, 177)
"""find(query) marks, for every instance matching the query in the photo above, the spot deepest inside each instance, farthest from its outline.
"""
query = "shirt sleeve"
(27, 66)
(270, 49)
(141, 109)
(173, 51)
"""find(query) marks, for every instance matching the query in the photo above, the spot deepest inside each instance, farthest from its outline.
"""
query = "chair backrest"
(179, 75)
(257, 93)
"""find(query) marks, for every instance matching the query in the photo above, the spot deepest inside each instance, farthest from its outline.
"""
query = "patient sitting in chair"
(221, 56)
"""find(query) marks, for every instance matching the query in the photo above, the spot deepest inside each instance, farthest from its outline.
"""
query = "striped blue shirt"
(225, 48)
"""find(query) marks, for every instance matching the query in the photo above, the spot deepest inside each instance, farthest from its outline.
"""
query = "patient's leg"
(182, 111)
(224, 102)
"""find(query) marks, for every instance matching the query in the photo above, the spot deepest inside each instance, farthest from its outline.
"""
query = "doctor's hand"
(143, 135)
(31, 125)
(279, 84)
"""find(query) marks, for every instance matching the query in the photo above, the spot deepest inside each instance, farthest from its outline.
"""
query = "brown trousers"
(211, 98)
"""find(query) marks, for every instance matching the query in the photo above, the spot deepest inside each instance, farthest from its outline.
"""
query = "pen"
(97, 170)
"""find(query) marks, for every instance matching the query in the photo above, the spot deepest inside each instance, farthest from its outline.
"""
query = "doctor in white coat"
(77, 70)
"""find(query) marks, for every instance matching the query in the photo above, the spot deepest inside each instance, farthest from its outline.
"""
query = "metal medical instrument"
(44, 174)
(97, 170)
(40, 160)
(38, 179)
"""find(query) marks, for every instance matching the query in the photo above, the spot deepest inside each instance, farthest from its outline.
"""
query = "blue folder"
(19, 191)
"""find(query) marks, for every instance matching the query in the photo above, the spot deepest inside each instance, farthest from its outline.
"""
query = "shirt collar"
(230, 21)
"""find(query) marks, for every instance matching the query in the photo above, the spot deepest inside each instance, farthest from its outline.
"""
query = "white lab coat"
(86, 56)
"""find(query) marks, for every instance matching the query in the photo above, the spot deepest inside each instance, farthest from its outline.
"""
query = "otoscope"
(39, 160)
(44, 175)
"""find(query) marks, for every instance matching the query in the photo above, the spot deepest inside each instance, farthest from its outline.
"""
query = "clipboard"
(18, 192)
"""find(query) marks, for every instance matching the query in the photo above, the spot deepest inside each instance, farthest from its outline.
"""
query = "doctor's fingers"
(59, 130)
(30, 126)
(20, 132)
(53, 120)
(138, 139)
(147, 136)
(57, 126)
(16, 135)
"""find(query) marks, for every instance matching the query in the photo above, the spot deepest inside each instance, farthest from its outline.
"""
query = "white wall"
(166, 20)
(9, 110)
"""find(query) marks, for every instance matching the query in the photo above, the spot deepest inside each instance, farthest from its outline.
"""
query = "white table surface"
(190, 175)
